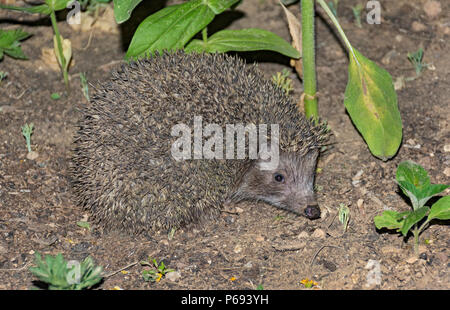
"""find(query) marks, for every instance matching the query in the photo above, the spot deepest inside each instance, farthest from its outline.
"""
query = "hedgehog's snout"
(312, 211)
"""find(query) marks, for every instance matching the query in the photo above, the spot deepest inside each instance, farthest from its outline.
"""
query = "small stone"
(237, 249)
(399, 83)
(423, 256)
(411, 142)
(411, 260)
(318, 233)
(302, 235)
(329, 265)
(432, 8)
(32, 155)
(358, 175)
(447, 171)
(418, 27)
(447, 148)
(360, 203)
(173, 276)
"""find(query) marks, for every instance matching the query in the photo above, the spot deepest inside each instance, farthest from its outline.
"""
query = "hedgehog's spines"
(122, 168)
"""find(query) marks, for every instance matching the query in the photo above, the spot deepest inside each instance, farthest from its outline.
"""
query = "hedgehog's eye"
(278, 177)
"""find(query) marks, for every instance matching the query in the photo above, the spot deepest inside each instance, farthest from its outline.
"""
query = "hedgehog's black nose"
(312, 212)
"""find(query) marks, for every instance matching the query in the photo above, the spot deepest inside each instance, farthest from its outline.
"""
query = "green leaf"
(243, 40)
(10, 45)
(170, 28)
(55, 96)
(415, 183)
(389, 219)
(123, 9)
(46, 9)
(57, 5)
(43, 9)
(410, 172)
(440, 209)
(434, 189)
(84, 224)
(413, 218)
(218, 6)
(371, 101)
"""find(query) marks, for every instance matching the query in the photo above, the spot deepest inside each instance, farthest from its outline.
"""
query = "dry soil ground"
(260, 245)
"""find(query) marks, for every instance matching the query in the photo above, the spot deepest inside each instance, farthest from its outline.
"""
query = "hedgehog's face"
(289, 186)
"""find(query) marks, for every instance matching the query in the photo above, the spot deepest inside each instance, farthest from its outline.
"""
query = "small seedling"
(27, 131)
(84, 86)
(155, 274)
(309, 283)
(3, 76)
(282, 80)
(357, 9)
(84, 224)
(55, 96)
(414, 182)
(62, 275)
(278, 217)
(171, 233)
(344, 215)
(416, 59)
(10, 45)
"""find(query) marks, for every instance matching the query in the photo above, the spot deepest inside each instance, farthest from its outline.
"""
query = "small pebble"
(302, 235)
(173, 276)
(32, 155)
(318, 233)
(418, 27)
(432, 8)
(360, 203)
(411, 260)
(447, 171)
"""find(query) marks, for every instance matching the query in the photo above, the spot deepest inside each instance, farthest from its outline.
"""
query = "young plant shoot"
(414, 182)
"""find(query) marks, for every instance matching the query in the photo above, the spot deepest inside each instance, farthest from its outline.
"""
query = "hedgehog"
(124, 170)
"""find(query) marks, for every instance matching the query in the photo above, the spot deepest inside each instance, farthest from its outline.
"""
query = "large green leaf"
(170, 28)
(413, 218)
(415, 183)
(9, 43)
(57, 5)
(390, 219)
(243, 40)
(371, 101)
(123, 9)
(440, 209)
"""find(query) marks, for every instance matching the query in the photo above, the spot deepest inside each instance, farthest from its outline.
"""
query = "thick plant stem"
(309, 63)
(60, 48)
